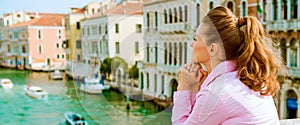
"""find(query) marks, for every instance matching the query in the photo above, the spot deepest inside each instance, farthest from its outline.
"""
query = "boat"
(56, 75)
(36, 92)
(93, 86)
(75, 119)
(6, 83)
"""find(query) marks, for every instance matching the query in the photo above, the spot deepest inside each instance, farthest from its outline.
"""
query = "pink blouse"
(223, 100)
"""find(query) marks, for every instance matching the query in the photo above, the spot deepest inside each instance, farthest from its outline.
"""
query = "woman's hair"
(245, 41)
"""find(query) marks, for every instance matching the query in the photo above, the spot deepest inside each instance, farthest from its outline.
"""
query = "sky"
(53, 6)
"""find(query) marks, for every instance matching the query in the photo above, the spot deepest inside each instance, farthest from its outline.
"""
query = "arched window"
(283, 50)
(275, 13)
(166, 16)
(211, 5)
(198, 14)
(170, 53)
(180, 54)
(180, 14)
(175, 54)
(230, 5)
(293, 53)
(170, 16)
(264, 10)
(175, 15)
(166, 52)
(284, 9)
(185, 13)
(294, 9)
(244, 13)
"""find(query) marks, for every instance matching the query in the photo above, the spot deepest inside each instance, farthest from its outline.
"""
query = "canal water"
(108, 108)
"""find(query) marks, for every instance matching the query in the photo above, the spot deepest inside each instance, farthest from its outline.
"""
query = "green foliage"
(134, 72)
(106, 66)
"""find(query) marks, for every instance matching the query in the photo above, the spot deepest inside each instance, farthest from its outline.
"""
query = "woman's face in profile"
(200, 53)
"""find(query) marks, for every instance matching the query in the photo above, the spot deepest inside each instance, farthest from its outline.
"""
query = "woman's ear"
(213, 49)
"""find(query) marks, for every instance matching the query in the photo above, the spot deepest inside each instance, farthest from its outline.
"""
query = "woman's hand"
(190, 77)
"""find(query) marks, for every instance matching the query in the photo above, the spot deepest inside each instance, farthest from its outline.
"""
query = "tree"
(134, 72)
(106, 67)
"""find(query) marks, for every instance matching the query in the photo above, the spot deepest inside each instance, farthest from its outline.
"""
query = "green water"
(108, 108)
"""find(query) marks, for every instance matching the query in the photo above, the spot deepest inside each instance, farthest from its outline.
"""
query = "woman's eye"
(195, 39)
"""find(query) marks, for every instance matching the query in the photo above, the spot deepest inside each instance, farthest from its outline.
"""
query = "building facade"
(282, 22)
(114, 33)
(36, 44)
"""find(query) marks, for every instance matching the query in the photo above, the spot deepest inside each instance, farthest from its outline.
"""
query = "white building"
(170, 26)
(282, 22)
(115, 33)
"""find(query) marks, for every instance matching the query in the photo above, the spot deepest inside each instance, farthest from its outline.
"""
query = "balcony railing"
(283, 25)
(294, 72)
(175, 27)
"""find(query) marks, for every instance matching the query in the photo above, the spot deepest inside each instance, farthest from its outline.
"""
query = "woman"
(240, 75)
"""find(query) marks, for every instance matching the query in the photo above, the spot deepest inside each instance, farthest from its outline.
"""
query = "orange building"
(36, 44)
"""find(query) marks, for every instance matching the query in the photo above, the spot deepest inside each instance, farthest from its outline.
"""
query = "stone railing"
(290, 122)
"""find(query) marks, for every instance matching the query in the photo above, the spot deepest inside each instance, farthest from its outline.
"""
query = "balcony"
(181, 27)
(294, 72)
(283, 25)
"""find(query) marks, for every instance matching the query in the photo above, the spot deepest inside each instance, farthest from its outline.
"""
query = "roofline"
(156, 2)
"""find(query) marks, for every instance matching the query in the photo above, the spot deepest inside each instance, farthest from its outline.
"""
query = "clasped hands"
(191, 77)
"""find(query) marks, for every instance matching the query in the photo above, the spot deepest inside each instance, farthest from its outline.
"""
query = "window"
(40, 49)
(7, 22)
(294, 8)
(244, 9)
(8, 48)
(59, 34)
(293, 53)
(175, 54)
(230, 5)
(165, 16)
(170, 16)
(275, 9)
(185, 53)
(138, 28)
(93, 11)
(156, 20)
(62, 56)
(78, 57)
(284, 9)
(39, 34)
(57, 56)
(264, 10)
(99, 29)
(185, 13)
(148, 21)
(148, 81)
(175, 15)
(156, 53)
(136, 47)
(57, 45)
(78, 44)
(166, 52)
(117, 47)
(106, 28)
(23, 48)
(117, 28)
(162, 84)
(211, 5)
(148, 53)
(78, 25)
(198, 14)
(180, 53)
(155, 83)
(180, 14)
(283, 50)
(88, 31)
(94, 47)
(170, 53)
